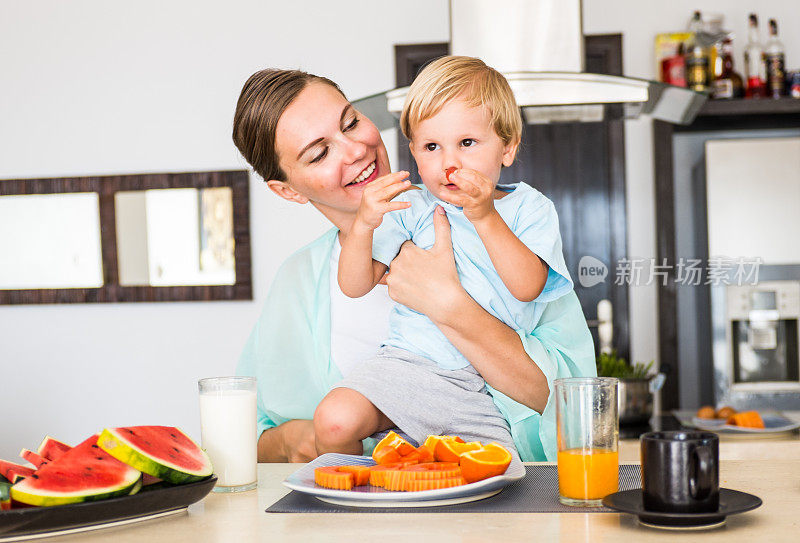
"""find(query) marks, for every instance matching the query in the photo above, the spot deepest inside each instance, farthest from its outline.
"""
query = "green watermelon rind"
(124, 451)
(42, 499)
(5, 492)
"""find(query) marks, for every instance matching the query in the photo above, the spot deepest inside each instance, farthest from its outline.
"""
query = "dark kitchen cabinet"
(685, 328)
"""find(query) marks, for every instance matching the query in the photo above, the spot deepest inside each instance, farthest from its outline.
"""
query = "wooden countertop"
(240, 518)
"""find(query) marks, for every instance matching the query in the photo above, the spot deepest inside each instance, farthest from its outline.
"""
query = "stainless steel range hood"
(538, 46)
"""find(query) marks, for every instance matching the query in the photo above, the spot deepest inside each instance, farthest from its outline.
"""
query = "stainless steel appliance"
(756, 363)
(635, 401)
(538, 46)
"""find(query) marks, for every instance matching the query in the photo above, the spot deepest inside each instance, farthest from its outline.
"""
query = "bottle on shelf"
(712, 26)
(775, 63)
(697, 58)
(673, 69)
(729, 84)
(754, 67)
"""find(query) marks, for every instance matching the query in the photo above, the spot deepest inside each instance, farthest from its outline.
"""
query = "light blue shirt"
(289, 352)
(532, 218)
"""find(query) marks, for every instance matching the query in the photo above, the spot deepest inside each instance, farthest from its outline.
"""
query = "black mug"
(680, 472)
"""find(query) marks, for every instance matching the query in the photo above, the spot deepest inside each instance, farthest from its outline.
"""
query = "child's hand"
(377, 196)
(475, 193)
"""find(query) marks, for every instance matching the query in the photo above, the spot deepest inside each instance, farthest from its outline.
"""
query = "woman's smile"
(367, 175)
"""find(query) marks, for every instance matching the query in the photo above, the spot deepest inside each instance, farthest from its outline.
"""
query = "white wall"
(93, 87)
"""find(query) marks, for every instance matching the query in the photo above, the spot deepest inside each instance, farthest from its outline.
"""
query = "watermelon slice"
(161, 451)
(85, 473)
(5, 496)
(33, 458)
(50, 448)
(14, 472)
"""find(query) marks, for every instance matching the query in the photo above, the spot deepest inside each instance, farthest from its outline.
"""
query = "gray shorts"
(423, 399)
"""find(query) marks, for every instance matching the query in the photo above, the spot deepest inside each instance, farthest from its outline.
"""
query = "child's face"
(458, 136)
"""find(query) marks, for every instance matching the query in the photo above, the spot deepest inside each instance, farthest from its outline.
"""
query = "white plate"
(774, 422)
(302, 480)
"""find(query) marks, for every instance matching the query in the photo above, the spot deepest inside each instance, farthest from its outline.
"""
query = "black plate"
(147, 502)
(730, 503)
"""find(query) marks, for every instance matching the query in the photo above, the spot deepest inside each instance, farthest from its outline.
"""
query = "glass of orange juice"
(587, 426)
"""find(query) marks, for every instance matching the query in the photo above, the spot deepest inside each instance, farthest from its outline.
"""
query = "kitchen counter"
(240, 518)
(784, 447)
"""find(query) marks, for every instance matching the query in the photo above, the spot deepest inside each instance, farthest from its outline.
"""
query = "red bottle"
(755, 70)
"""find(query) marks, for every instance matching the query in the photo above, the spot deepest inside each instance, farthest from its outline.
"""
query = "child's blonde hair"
(467, 78)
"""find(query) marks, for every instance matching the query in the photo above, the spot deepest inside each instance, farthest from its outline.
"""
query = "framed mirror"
(127, 238)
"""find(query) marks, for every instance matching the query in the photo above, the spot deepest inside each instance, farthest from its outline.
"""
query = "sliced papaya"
(396, 479)
(400, 479)
(386, 455)
(376, 473)
(331, 477)
(746, 419)
(425, 454)
(419, 485)
(360, 474)
(393, 439)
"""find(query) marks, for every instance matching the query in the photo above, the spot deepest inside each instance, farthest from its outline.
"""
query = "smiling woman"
(310, 145)
(340, 150)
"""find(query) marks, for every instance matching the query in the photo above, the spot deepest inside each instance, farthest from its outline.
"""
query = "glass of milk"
(228, 430)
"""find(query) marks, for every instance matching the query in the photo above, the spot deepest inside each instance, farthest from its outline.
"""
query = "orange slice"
(431, 441)
(486, 462)
(435, 484)
(449, 450)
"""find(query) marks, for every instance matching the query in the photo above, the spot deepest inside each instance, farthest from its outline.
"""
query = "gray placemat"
(537, 492)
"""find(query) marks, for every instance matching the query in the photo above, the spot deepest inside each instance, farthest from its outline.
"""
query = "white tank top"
(359, 326)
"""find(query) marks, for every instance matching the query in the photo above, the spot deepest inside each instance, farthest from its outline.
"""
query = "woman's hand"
(427, 280)
(298, 440)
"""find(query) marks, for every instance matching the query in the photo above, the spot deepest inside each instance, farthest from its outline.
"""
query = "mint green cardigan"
(289, 351)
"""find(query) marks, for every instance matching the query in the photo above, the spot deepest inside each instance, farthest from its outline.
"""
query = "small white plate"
(774, 422)
(302, 480)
